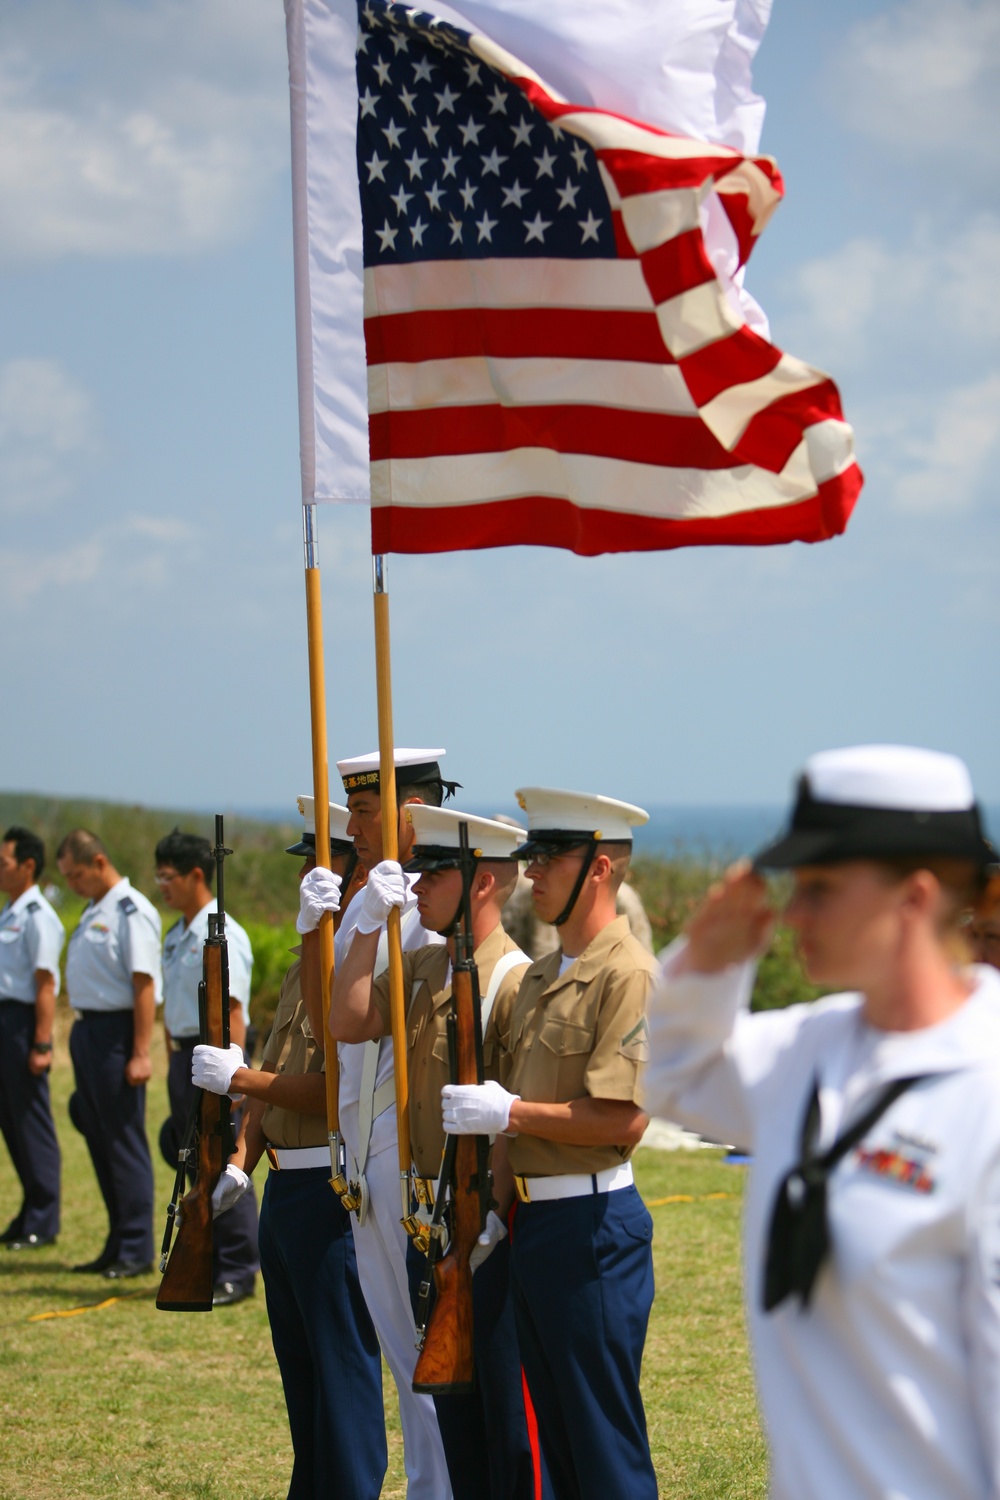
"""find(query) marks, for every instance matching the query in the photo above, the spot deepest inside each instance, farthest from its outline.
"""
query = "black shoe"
(31, 1242)
(11, 1233)
(101, 1263)
(225, 1293)
(124, 1270)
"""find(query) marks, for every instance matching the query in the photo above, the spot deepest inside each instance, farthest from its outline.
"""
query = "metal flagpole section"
(390, 850)
(321, 810)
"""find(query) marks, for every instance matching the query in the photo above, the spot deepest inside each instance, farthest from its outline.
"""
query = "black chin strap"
(588, 860)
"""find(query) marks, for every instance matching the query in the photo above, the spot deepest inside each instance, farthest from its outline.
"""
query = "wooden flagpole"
(390, 850)
(321, 811)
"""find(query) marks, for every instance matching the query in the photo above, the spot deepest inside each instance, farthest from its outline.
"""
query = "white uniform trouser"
(381, 1250)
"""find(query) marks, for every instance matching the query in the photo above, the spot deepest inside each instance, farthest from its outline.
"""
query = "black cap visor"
(823, 833)
(553, 841)
(307, 845)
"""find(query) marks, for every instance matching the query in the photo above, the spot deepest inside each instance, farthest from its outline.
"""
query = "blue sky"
(151, 600)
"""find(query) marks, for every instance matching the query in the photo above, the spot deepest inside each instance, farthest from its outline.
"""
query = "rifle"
(187, 1268)
(445, 1363)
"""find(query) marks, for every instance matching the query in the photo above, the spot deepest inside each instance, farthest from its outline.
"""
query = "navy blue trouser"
(111, 1116)
(324, 1341)
(234, 1233)
(485, 1432)
(26, 1124)
(582, 1279)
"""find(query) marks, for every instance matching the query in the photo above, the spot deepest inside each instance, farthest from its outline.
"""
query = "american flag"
(552, 356)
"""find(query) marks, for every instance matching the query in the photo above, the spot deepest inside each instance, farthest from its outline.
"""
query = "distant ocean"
(710, 831)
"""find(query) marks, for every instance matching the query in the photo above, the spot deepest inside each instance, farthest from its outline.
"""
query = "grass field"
(104, 1398)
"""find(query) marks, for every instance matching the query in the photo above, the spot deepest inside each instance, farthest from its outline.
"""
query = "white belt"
(287, 1158)
(573, 1184)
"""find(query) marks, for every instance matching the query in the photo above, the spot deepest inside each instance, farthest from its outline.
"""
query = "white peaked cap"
(436, 831)
(339, 819)
(891, 776)
(550, 809)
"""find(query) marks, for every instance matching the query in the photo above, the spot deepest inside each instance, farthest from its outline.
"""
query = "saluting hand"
(733, 924)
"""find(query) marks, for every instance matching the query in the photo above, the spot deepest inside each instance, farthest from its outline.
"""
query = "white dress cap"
(437, 829)
(339, 819)
(890, 776)
(551, 809)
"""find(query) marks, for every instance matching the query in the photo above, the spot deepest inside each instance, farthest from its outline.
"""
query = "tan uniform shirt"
(291, 1049)
(580, 1033)
(427, 991)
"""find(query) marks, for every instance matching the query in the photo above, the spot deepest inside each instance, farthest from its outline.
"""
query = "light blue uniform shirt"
(182, 970)
(31, 937)
(118, 936)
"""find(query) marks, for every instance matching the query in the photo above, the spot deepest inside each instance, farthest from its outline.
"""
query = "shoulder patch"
(635, 1044)
(33, 906)
(128, 906)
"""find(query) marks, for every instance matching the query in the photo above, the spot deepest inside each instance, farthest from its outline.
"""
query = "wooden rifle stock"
(445, 1361)
(187, 1283)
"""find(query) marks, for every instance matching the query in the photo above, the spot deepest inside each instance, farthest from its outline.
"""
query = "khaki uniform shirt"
(427, 989)
(292, 1049)
(580, 1033)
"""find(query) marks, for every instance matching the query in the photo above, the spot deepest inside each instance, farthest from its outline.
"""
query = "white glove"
(386, 888)
(495, 1231)
(476, 1108)
(319, 891)
(212, 1068)
(230, 1189)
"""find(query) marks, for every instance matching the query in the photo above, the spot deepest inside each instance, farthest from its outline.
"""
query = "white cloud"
(955, 454)
(924, 77)
(48, 433)
(847, 307)
(138, 130)
(116, 569)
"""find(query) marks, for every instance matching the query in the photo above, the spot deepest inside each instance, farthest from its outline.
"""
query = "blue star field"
(453, 161)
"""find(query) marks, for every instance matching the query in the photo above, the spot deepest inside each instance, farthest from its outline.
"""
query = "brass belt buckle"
(272, 1157)
(521, 1185)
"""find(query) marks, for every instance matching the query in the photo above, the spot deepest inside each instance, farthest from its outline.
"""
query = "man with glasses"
(567, 1120)
(185, 867)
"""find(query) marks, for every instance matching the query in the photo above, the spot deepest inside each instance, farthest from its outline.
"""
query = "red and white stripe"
(595, 405)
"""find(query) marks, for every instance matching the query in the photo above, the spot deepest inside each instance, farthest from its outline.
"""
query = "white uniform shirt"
(118, 936)
(31, 937)
(182, 969)
(352, 1054)
(888, 1386)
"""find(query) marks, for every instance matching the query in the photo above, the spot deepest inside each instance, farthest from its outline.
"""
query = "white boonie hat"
(420, 768)
(559, 820)
(437, 837)
(339, 817)
(881, 802)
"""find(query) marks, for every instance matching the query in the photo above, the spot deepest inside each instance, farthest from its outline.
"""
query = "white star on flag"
(536, 228)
